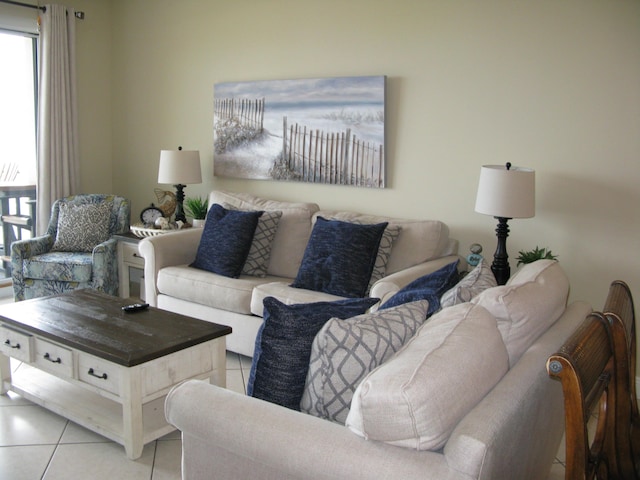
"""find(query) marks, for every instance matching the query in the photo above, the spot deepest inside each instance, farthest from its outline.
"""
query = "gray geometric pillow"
(345, 351)
(82, 227)
(384, 251)
(474, 283)
(260, 252)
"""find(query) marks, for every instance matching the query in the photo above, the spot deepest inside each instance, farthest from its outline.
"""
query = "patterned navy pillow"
(339, 257)
(283, 346)
(428, 287)
(226, 240)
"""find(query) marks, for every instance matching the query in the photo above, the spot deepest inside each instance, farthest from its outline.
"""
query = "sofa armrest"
(236, 436)
(387, 286)
(169, 249)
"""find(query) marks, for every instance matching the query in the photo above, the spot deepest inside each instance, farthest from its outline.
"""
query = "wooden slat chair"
(619, 311)
(585, 367)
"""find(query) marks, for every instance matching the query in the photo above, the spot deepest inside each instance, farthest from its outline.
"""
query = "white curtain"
(58, 158)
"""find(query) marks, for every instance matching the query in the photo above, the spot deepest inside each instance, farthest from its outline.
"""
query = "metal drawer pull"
(48, 357)
(8, 342)
(103, 376)
(137, 256)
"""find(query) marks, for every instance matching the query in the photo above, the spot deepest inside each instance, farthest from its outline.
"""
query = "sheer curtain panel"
(58, 158)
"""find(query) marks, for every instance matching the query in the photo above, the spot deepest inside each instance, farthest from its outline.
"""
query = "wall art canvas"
(323, 130)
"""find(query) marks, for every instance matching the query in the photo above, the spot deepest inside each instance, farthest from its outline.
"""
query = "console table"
(107, 370)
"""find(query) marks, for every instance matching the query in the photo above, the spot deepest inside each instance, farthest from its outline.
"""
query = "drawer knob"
(48, 357)
(93, 374)
(8, 342)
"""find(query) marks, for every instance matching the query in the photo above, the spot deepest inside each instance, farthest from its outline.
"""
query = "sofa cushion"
(416, 398)
(293, 230)
(428, 287)
(210, 289)
(283, 346)
(474, 283)
(339, 257)
(533, 298)
(418, 241)
(287, 294)
(226, 240)
(344, 351)
(82, 227)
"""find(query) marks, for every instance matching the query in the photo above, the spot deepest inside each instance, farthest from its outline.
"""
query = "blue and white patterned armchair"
(38, 271)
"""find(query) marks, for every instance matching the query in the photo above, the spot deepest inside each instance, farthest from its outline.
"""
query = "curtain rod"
(78, 15)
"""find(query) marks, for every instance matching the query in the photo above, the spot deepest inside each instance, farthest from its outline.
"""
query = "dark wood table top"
(94, 323)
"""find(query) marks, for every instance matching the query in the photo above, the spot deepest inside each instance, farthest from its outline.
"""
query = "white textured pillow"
(416, 398)
(533, 298)
(474, 283)
(344, 351)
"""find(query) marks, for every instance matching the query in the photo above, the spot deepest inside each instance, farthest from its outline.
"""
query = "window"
(17, 140)
(18, 112)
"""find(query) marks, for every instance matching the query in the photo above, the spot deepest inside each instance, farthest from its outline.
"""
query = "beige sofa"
(472, 401)
(421, 247)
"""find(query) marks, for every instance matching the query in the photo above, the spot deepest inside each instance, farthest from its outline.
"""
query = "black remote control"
(135, 307)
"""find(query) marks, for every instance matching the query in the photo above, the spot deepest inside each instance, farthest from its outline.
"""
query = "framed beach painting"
(322, 130)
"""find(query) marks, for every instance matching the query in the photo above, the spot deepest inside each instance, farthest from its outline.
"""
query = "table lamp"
(505, 192)
(179, 167)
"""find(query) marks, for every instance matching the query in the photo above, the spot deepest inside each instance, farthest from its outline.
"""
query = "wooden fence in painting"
(247, 112)
(335, 158)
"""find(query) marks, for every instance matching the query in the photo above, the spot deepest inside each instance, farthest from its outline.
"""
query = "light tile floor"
(37, 444)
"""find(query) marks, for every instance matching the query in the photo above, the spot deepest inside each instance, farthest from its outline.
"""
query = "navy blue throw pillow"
(339, 257)
(226, 240)
(428, 287)
(283, 346)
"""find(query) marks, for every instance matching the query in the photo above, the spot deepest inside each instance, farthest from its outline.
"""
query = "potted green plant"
(530, 256)
(197, 207)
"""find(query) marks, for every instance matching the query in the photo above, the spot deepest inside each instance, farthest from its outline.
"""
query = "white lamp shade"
(506, 193)
(179, 167)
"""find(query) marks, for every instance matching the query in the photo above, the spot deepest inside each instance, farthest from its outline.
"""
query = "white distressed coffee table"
(109, 371)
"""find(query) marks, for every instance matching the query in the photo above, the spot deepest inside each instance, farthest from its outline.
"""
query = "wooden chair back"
(585, 367)
(620, 313)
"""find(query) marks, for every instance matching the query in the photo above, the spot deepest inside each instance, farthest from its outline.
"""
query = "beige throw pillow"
(533, 298)
(416, 398)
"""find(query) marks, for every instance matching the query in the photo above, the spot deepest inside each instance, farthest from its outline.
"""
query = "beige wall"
(540, 83)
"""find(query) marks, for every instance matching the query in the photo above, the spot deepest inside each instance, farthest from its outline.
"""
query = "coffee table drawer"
(99, 373)
(16, 344)
(53, 358)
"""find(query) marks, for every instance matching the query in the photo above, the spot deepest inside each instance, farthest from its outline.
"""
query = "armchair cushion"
(60, 266)
(82, 227)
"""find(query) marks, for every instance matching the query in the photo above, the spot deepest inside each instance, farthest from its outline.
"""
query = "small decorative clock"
(149, 215)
